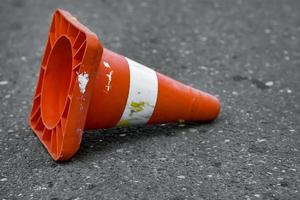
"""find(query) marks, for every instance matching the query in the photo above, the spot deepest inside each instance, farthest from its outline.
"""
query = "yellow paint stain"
(136, 107)
(124, 122)
(181, 121)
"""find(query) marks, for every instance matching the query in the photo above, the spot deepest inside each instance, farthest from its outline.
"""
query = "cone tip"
(216, 107)
(209, 107)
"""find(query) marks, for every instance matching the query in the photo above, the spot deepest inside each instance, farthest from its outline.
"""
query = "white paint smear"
(106, 64)
(109, 76)
(83, 79)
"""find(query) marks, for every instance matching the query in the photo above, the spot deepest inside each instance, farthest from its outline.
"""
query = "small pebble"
(269, 83)
(119, 150)
(3, 179)
(257, 195)
(289, 91)
(261, 140)
(181, 177)
(267, 31)
(96, 166)
(23, 58)
(203, 68)
(234, 93)
(3, 82)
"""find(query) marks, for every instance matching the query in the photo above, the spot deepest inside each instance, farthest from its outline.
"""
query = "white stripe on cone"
(142, 94)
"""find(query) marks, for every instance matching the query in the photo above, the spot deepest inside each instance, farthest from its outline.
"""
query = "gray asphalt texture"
(245, 52)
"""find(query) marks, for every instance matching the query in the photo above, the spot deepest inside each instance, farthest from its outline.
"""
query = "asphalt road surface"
(245, 52)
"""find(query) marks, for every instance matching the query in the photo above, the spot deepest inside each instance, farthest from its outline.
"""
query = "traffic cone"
(85, 86)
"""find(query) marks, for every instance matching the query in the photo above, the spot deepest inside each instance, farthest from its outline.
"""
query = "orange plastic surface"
(178, 102)
(59, 108)
(107, 104)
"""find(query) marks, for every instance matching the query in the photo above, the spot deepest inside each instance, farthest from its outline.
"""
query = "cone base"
(60, 101)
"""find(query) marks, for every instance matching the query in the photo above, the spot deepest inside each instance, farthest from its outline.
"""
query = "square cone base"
(60, 105)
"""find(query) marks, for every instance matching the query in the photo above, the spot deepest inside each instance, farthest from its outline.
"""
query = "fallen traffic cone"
(85, 86)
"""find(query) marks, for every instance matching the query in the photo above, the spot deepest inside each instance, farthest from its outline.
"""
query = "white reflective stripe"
(142, 94)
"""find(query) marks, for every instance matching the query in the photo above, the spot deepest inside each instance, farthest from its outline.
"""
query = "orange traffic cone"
(85, 86)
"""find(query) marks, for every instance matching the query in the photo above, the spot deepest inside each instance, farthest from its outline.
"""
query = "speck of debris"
(162, 159)
(23, 58)
(269, 83)
(3, 82)
(261, 140)
(154, 51)
(234, 93)
(38, 188)
(267, 31)
(257, 195)
(3, 179)
(193, 130)
(289, 91)
(120, 150)
(96, 166)
(203, 68)
(181, 177)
